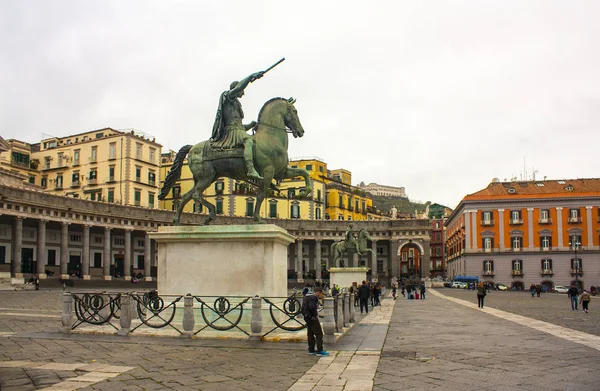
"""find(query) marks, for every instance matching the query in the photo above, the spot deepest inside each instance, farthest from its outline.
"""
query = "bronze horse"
(340, 247)
(270, 159)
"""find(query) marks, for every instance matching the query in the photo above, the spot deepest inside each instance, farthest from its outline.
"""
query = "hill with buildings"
(403, 205)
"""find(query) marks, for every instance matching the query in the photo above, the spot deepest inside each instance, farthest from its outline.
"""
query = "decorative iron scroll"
(153, 312)
(292, 308)
(221, 308)
(96, 309)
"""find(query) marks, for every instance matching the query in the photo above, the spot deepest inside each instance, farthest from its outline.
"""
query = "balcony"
(488, 273)
(574, 220)
(517, 273)
(515, 221)
(487, 223)
(92, 159)
(547, 272)
(515, 249)
(92, 181)
(110, 179)
(577, 272)
(58, 186)
(75, 184)
(544, 248)
(544, 221)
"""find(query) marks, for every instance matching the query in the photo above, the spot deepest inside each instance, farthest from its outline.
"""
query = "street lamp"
(575, 245)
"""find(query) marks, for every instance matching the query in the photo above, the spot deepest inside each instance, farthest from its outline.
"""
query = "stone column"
(355, 260)
(85, 257)
(299, 263)
(188, 316)
(530, 228)
(466, 216)
(64, 250)
(318, 258)
(127, 258)
(106, 255)
(17, 247)
(147, 253)
(256, 323)
(501, 229)
(327, 260)
(590, 231)
(373, 257)
(41, 250)
(390, 258)
(559, 228)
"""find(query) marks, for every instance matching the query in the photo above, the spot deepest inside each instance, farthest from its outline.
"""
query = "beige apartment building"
(101, 165)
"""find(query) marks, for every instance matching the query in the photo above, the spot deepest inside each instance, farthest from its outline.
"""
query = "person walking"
(585, 301)
(423, 291)
(314, 332)
(480, 294)
(394, 289)
(354, 289)
(363, 297)
(573, 294)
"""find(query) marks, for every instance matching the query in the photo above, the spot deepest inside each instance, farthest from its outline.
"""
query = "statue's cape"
(218, 126)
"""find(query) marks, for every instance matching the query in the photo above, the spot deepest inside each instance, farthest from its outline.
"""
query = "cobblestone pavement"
(550, 307)
(428, 344)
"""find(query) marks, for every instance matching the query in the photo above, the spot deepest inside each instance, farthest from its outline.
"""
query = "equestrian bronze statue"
(234, 154)
(350, 245)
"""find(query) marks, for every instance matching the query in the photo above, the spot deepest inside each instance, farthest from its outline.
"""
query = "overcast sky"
(436, 96)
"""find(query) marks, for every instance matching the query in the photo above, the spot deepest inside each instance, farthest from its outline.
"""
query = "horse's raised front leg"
(296, 172)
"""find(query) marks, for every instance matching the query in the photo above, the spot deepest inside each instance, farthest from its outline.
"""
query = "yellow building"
(15, 157)
(101, 165)
(237, 198)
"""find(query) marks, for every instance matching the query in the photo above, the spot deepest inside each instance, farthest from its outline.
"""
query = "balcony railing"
(92, 181)
(545, 221)
(487, 223)
(75, 184)
(544, 248)
(574, 220)
(515, 221)
(578, 272)
(515, 249)
(546, 272)
(110, 179)
(488, 272)
(517, 273)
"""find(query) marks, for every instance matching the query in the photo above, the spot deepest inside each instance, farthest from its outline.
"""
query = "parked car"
(561, 289)
(459, 285)
(501, 287)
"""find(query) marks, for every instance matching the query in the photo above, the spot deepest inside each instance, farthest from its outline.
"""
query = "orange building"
(522, 233)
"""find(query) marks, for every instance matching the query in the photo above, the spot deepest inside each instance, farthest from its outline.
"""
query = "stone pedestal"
(343, 277)
(222, 260)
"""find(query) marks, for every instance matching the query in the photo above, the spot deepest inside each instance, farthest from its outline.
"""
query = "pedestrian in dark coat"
(310, 310)
(363, 296)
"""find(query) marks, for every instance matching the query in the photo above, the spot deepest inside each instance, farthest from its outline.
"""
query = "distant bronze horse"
(270, 159)
(340, 247)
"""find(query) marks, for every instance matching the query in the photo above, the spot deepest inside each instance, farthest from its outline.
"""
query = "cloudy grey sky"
(435, 96)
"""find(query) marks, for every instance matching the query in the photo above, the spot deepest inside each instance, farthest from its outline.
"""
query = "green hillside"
(404, 205)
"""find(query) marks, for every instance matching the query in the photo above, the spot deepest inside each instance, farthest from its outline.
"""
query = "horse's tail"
(174, 172)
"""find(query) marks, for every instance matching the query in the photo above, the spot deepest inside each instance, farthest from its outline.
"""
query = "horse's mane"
(266, 104)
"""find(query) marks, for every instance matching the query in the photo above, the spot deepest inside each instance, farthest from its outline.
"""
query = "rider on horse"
(351, 239)
(228, 130)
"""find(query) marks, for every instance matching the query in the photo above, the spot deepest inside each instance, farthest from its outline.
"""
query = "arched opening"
(549, 285)
(411, 258)
(517, 286)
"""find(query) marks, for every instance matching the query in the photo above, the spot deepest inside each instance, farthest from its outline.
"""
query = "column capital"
(559, 208)
(42, 221)
(64, 223)
(530, 209)
(500, 210)
(589, 207)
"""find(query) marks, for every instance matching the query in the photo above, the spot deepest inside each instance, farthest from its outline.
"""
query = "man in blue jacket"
(310, 310)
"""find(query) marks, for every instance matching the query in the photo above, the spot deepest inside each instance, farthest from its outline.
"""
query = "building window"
(138, 174)
(32, 180)
(176, 191)
(546, 243)
(295, 211)
(515, 217)
(309, 167)
(574, 216)
(44, 182)
(544, 216)
(60, 159)
(319, 198)
(273, 209)
(197, 207)
(219, 186)
(59, 181)
(47, 162)
(151, 178)
(137, 197)
(517, 267)
(151, 197)
(249, 208)
(318, 213)
(94, 154)
(138, 151)
(152, 155)
(111, 195)
(488, 244)
(51, 257)
(486, 218)
(341, 201)
(517, 243)
(76, 157)
(112, 151)
(575, 242)
(488, 267)
(219, 207)
(547, 266)
(111, 174)
(576, 264)
(93, 175)
(291, 192)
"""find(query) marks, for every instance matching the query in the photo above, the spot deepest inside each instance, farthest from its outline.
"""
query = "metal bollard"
(125, 321)
(328, 321)
(188, 316)
(66, 318)
(256, 324)
(346, 309)
(340, 314)
(352, 310)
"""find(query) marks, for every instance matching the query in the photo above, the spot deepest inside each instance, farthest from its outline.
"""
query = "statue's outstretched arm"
(242, 84)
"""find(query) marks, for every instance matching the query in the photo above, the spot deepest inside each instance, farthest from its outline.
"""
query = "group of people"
(535, 289)
(584, 300)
